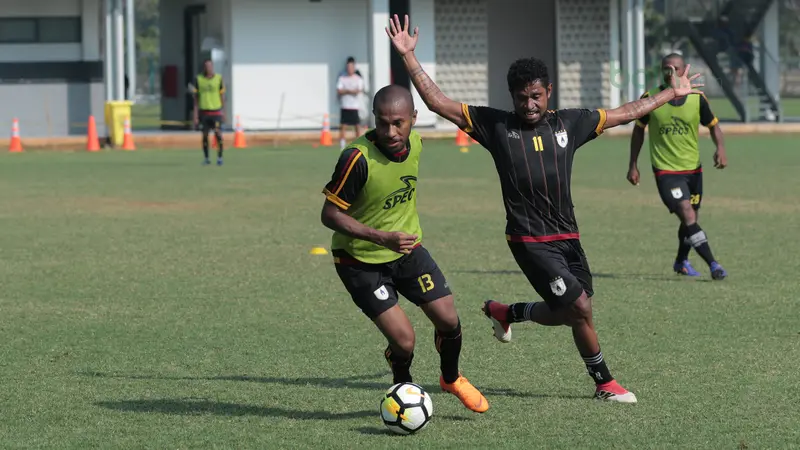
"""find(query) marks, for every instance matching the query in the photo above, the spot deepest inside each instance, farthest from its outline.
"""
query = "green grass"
(151, 302)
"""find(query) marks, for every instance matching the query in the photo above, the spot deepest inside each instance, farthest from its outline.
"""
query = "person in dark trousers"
(533, 149)
(209, 107)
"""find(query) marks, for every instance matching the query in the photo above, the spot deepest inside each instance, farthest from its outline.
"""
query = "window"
(42, 30)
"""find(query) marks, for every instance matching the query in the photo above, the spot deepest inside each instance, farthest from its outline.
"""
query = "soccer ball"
(406, 408)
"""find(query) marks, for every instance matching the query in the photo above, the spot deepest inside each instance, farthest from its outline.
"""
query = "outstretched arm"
(404, 43)
(681, 86)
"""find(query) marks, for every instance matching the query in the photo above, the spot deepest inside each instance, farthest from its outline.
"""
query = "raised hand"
(683, 84)
(402, 40)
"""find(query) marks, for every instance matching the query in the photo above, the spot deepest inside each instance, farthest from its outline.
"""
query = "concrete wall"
(534, 35)
(52, 88)
(290, 84)
(583, 49)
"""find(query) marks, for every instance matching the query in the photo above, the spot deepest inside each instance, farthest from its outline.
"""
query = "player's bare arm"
(338, 220)
(681, 86)
(720, 156)
(637, 140)
(404, 43)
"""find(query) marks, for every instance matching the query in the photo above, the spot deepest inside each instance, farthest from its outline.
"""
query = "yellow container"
(115, 113)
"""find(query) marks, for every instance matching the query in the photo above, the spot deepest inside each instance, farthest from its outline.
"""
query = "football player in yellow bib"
(371, 205)
(675, 157)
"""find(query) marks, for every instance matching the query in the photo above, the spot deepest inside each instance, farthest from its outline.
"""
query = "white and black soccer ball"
(406, 408)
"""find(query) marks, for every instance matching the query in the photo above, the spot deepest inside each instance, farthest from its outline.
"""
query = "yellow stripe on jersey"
(465, 112)
(601, 125)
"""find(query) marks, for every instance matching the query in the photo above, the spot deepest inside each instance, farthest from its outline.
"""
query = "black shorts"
(210, 121)
(676, 187)
(557, 270)
(349, 117)
(374, 287)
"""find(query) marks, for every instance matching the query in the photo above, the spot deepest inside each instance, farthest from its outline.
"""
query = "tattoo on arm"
(428, 90)
(639, 108)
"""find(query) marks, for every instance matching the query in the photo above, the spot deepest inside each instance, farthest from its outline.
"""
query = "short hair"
(393, 93)
(525, 71)
(672, 56)
(350, 59)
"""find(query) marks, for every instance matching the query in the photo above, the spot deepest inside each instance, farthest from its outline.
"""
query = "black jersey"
(535, 166)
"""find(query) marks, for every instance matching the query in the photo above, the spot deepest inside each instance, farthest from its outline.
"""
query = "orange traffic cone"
(238, 138)
(92, 142)
(16, 144)
(127, 140)
(325, 139)
(462, 139)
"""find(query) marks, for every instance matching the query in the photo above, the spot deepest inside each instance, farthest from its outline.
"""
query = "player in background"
(533, 149)
(209, 107)
(371, 205)
(675, 157)
(349, 86)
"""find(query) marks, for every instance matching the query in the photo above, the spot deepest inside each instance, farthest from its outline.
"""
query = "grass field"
(149, 302)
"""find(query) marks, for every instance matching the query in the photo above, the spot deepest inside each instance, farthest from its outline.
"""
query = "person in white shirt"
(349, 87)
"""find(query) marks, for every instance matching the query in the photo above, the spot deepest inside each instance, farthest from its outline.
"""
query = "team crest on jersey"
(402, 195)
(677, 192)
(558, 286)
(561, 138)
(381, 293)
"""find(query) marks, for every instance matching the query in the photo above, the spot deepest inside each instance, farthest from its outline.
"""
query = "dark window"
(42, 30)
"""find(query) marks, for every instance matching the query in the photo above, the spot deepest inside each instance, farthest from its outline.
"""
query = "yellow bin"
(115, 113)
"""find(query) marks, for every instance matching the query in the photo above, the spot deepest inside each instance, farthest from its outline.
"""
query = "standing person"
(349, 88)
(209, 107)
(371, 205)
(533, 150)
(675, 157)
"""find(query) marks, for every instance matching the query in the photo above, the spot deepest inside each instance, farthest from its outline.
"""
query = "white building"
(281, 57)
(51, 65)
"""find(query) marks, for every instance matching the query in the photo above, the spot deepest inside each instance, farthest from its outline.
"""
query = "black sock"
(520, 312)
(596, 366)
(219, 144)
(696, 237)
(205, 145)
(448, 344)
(400, 364)
(683, 247)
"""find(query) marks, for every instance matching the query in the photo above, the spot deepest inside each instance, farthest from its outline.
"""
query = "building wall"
(462, 51)
(280, 86)
(422, 13)
(534, 35)
(582, 51)
(52, 88)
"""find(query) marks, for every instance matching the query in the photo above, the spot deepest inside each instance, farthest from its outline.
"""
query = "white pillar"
(130, 29)
(770, 50)
(119, 51)
(379, 45)
(639, 81)
(614, 60)
(628, 52)
(108, 42)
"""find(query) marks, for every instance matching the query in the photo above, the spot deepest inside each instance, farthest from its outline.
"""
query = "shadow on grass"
(613, 276)
(353, 382)
(196, 406)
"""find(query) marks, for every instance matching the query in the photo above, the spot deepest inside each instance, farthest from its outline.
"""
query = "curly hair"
(526, 71)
